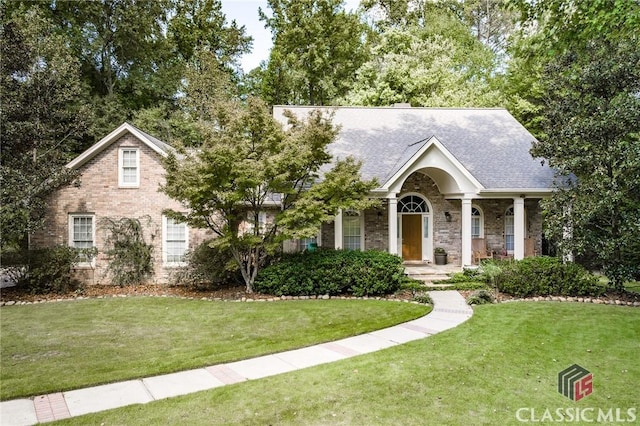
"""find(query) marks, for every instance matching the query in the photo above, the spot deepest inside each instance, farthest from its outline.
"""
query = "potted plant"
(440, 255)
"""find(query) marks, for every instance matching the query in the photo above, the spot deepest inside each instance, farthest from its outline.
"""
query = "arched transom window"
(412, 204)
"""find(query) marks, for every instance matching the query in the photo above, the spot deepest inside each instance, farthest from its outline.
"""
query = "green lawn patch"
(60, 346)
(504, 359)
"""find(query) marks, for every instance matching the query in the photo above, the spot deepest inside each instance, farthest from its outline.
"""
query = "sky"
(245, 12)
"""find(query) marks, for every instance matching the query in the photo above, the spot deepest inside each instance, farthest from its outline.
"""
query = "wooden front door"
(412, 237)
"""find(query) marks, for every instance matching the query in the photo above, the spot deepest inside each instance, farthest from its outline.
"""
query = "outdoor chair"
(530, 247)
(479, 250)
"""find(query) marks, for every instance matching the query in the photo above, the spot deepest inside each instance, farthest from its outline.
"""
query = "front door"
(412, 237)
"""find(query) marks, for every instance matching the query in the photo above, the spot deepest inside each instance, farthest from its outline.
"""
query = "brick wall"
(446, 234)
(98, 193)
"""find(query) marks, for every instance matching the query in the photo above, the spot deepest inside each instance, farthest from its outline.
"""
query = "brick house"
(119, 177)
(446, 177)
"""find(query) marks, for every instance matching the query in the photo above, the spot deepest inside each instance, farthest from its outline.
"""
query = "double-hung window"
(175, 240)
(82, 233)
(129, 167)
(351, 230)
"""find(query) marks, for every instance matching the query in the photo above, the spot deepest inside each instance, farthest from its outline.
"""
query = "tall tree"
(491, 21)
(44, 113)
(432, 61)
(248, 161)
(133, 54)
(317, 47)
(591, 111)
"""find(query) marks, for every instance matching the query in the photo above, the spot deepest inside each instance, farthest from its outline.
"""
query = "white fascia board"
(108, 140)
(516, 192)
(433, 141)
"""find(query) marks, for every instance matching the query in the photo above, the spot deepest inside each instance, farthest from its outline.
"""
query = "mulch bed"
(237, 292)
(225, 292)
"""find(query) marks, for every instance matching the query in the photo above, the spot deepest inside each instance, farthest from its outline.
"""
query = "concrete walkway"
(450, 309)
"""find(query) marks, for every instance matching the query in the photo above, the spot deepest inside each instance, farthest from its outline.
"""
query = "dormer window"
(129, 167)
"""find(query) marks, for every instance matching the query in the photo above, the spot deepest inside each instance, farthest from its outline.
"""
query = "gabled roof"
(155, 144)
(490, 144)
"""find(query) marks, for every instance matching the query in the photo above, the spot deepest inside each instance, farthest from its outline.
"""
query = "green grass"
(60, 346)
(504, 358)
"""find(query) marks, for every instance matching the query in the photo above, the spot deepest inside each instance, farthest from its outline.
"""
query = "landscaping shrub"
(546, 276)
(467, 275)
(208, 266)
(423, 298)
(360, 273)
(480, 297)
(49, 270)
(411, 284)
(130, 256)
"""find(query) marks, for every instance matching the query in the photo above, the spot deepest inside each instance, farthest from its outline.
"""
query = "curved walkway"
(450, 310)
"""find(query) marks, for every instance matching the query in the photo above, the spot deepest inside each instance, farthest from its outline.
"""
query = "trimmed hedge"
(49, 270)
(333, 272)
(208, 266)
(546, 276)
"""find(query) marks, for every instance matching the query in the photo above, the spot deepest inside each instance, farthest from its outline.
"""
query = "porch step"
(430, 274)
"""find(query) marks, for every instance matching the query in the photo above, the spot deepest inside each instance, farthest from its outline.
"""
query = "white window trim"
(165, 262)
(121, 182)
(71, 218)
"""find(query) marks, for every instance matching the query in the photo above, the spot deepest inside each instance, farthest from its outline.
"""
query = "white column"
(319, 237)
(466, 232)
(337, 226)
(393, 224)
(518, 228)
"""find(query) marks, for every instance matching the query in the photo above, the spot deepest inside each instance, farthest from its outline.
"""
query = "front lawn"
(502, 363)
(60, 346)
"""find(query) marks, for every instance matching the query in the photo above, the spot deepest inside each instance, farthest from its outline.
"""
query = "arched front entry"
(415, 228)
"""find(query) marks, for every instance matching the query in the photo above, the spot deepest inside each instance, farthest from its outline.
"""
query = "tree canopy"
(45, 116)
(427, 58)
(591, 130)
(317, 46)
(250, 166)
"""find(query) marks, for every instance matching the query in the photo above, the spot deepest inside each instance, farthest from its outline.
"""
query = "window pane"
(176, 240)
(83, 232)
(129, 166)
(425, 226)
(508, 232)
(412, 204)
(475, 227)
(306, 242)
(129, 175)
(351, 232)
(129, 158)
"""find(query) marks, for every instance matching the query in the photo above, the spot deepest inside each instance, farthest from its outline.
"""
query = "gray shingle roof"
(490, 143)
(157, 142)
